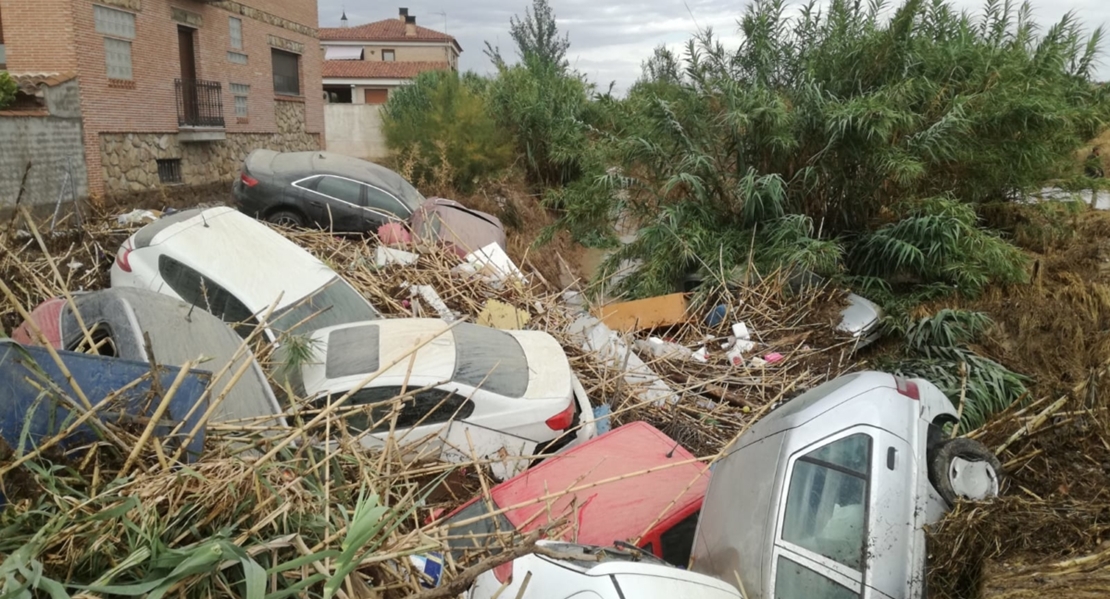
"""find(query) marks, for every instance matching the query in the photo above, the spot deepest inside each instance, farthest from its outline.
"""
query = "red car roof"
(619, 510)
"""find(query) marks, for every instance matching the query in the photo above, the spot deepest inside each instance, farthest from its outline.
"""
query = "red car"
(667, 499)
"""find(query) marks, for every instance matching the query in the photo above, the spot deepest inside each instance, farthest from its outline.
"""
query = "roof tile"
(376, 69)
(389, 30)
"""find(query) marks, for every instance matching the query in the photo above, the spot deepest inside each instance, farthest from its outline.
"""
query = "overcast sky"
(610, 40)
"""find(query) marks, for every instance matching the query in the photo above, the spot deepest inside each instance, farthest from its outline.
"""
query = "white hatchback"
(574, 571)
(469, 391)
(229, 264)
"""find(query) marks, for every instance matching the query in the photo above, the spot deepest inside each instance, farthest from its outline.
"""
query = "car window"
(431, 406)
(795, 581)
(202, 292)
(678, 541)
(475, 534)
(380, 200)
(341, 189)
(333, 304)
(490, 359)
(826, 502)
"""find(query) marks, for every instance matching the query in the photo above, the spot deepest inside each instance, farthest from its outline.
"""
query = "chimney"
(410, 26)
(343, 20)
(404, 13)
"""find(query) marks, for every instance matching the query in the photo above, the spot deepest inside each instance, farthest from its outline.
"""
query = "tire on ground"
(968, 449)
(286, 218)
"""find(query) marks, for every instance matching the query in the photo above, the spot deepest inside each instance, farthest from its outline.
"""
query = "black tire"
(941, 472)
(286, 218)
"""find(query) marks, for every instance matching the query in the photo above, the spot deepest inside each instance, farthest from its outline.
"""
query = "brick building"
(364, 64)
(176, 91)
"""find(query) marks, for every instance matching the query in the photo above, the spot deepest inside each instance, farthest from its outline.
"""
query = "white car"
(584, 572)
(472, 390)
(229, 264)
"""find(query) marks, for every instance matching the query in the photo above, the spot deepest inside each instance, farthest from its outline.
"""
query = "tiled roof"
(377, 69)
(389, 30)
(29, 83)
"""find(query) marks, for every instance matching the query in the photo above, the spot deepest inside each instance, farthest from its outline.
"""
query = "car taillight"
(562, 420)
(122, 259)
(248, 180)
(504, 572)
(907, 388)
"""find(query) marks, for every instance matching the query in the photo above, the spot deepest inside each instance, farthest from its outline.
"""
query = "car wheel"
(286, 218)
(965, 468)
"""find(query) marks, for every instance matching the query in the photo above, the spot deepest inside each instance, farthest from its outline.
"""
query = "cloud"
(609, 41)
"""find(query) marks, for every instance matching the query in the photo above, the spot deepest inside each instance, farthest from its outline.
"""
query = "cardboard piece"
(499, 315)
(661, 311)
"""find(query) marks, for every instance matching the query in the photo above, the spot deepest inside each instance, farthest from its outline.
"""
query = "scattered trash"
(716, 316)
(394, 234)
(138, 217)
(492, 263)
(595, 337)
(385, 255)
(637, 315)
(702, 355)
(773, 357)
(758, 362)
(433, 299)
(430, 567)
(735, 355)
(601, 418)
(499, 315)
(663, 349)
(740, 331)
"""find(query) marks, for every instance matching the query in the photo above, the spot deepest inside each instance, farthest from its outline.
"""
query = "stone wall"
(130, 159)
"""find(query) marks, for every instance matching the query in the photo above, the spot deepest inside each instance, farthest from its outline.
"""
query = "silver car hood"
(861, 317)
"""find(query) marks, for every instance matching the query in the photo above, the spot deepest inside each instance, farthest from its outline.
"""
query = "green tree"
(442, 126)
(7, 89)
(536, 35)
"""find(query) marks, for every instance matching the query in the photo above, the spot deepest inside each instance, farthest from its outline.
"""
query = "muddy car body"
(348, 195)
(828, 495)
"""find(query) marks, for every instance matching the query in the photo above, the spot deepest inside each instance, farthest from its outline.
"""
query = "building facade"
(176, 91)
(364, 64)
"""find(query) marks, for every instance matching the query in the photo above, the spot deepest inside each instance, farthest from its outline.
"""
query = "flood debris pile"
(273, 507)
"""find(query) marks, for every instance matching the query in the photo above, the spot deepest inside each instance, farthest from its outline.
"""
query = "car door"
(336, 203)
(821, 544)
(382, 207)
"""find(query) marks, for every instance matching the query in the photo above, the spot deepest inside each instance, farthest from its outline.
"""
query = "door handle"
(891, 456)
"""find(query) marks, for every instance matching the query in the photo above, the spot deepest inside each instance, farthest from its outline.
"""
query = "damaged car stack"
(394, 414)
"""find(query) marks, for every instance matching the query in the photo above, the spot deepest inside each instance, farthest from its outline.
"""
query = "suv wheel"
(964, 468)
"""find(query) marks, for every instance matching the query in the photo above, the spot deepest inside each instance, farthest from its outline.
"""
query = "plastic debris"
(758, 362)
(492, 263)
(430, 566)
(394, 234)
(702, 355)
(663, 349)
(735, 356)
(740, 331)
(433, 299)
(601, 418)
(385, 255)
(716, 316)
(773, 357)
(138, 216)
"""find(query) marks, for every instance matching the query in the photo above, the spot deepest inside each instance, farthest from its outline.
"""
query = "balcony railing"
(199, 103)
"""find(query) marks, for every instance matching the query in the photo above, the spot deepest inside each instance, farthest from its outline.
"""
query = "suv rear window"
(336, 303)
(490, 359)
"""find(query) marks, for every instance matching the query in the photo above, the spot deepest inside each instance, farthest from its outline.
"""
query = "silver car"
(826, 497)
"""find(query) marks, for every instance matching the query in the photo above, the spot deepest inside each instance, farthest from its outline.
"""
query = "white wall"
(355, 130)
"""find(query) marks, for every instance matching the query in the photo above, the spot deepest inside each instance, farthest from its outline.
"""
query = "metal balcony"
(199, 104)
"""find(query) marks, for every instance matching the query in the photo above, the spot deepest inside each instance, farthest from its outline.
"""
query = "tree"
(7, 89)
(536, 35)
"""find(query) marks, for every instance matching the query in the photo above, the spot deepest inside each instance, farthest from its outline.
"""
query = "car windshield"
(412, 198)
(490, 359)
(478, 534)
(333, 304)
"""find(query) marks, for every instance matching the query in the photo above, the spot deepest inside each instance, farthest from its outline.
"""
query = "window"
(489, 359)
(118, 29)
(200, 291)
(241, 93)
(826, 505)
(169, 170)
(3, 55)
(287, 73)
(377, 96)
(103, 344)
(353, 351)
(795, 581)
(237, 57)
(380, 200)
(432, 406)
(343, 190)
(388, 55)
(343, 306)
(678, 541)
(339, 94)
(235, 30)
(477, 534)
